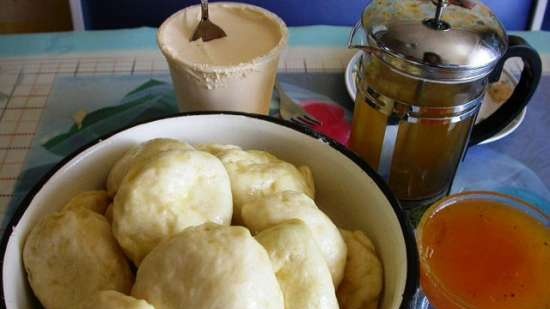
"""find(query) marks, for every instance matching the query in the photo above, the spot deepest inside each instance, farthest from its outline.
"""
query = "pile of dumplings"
(200, 227)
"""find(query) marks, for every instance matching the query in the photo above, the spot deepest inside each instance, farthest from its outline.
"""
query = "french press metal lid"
(438, 40)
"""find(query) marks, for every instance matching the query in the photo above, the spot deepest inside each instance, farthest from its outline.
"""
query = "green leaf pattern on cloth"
(151, 100)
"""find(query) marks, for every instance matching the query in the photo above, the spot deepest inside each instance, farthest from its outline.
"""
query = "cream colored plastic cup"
(235, 73)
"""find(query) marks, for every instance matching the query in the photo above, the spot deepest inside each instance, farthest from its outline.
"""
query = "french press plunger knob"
(436, 22)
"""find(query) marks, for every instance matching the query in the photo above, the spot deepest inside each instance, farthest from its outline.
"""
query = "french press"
(424, 72)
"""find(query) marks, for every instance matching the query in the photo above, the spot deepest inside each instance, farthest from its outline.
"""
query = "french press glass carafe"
(422, 78)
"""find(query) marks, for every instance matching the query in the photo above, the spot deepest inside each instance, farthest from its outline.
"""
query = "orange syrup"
(481, 254)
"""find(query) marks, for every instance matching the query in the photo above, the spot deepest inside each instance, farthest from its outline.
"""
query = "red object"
(333, 118)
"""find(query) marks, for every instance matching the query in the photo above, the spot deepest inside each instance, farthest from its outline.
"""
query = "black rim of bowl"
(412, 279)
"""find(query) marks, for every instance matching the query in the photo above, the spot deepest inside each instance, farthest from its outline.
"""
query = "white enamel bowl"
(347, 190)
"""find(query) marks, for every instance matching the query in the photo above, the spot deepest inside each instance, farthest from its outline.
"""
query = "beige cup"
(243, 84)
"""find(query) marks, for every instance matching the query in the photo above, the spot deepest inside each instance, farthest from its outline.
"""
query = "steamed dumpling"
(139, 154)
(209, 267)
(216, 149)
(299, 265)
(171, 191)
(270, 210)
(109, 213)
(96, 201)
(113, 300)
(256, 173)
(70, 255)
(363, 276)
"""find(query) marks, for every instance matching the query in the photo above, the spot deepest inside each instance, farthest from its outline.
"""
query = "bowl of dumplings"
(210, 211)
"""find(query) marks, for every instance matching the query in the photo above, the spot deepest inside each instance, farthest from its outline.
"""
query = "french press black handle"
(528, 82)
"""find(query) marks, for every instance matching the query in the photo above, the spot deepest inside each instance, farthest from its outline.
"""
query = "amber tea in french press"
(421, 80)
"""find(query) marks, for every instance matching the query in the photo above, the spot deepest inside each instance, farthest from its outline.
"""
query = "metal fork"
(290, 110)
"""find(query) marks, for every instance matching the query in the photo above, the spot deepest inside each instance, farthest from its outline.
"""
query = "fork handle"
(204, 9)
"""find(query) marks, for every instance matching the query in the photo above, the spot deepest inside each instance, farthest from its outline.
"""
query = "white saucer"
(488, 106)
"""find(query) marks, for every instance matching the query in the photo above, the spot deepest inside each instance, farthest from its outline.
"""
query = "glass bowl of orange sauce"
(484, 250)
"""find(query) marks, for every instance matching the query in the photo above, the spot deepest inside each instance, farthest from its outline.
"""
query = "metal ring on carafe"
(396, 109)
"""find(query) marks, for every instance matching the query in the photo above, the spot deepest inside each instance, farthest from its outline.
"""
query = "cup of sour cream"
(234, 73)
